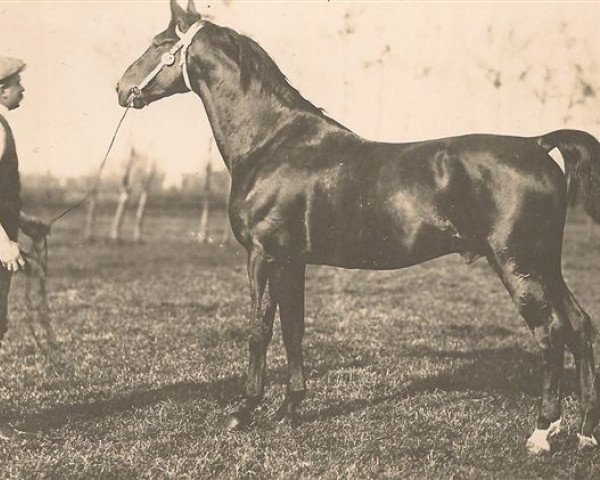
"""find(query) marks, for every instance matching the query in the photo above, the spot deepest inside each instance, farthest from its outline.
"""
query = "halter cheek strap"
(168, 58)
(186, 40)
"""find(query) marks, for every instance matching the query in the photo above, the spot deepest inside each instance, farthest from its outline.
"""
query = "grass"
(426, 372)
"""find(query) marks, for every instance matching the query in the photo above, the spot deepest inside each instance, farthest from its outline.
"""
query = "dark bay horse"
(306, 190)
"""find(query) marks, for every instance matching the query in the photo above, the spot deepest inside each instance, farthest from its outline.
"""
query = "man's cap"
(10, 66)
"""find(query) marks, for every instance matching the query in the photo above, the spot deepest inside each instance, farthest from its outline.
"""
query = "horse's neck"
(243, 122)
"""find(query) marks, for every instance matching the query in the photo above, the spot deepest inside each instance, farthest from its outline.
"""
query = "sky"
(391, 71)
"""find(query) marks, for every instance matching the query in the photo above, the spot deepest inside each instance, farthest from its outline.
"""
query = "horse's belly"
(378, 248)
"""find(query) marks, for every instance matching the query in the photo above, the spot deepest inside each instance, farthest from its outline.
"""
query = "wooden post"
(227, 233)
(115, 229)
(203, 234)
(141, 210)
(90, 216)
(139, 217)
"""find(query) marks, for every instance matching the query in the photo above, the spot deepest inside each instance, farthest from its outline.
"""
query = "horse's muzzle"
(123, 95)
(130, 97)
(136, 98)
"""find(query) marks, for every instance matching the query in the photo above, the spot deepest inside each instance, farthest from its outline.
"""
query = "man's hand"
(10, 256)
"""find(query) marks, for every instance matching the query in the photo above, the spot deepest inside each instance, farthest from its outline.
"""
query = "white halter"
(168, 58)
(186, 40)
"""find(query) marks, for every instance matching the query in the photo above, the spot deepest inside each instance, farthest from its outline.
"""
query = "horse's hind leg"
(259, 336)
(289, 286)
(528, 288)
(580, 341)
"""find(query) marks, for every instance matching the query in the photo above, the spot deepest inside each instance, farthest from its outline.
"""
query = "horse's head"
(161, 70)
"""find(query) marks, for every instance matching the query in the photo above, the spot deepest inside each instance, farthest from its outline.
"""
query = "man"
(11, 94)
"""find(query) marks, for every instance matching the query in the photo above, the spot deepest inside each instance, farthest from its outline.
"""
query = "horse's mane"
(255, 63)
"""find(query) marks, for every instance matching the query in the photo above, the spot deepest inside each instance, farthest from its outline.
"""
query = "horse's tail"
(581, 152)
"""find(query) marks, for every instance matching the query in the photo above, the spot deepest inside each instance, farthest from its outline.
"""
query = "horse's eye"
(157, 44)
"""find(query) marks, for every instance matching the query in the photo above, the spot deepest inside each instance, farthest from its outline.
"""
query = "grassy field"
(422, 373)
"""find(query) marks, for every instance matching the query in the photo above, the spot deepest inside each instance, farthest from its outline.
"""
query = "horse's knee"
(260, 332)
(531, 302)
(260, 327)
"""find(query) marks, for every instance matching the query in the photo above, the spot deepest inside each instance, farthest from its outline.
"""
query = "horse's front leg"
(259, 336)
(289, 287)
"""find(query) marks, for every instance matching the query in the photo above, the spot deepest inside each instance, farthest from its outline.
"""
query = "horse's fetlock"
(259, 333)
(543, 338)
(549, 421)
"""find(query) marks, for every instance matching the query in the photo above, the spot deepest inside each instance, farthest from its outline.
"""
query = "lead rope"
(185, 40)
(37, 268)
(37, 259)
(96, 183)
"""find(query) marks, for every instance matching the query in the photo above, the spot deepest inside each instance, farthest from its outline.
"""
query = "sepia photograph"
(304, 239)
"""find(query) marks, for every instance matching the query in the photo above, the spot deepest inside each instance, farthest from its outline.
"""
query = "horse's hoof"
(283, 417)
(586, 443)
(237, 420)
(555, 428)
(281, 412)
(289, 421)
(538, 448)
(538, 443)
(286, 414)
(233, 423)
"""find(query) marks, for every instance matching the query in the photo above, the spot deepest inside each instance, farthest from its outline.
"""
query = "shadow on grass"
(220, 391)
(510, 372)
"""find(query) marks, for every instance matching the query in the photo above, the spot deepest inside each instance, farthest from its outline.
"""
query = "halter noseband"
(168, 59)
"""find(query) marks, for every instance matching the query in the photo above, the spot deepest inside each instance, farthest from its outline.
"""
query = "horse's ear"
(178, 16)
(191, 8)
